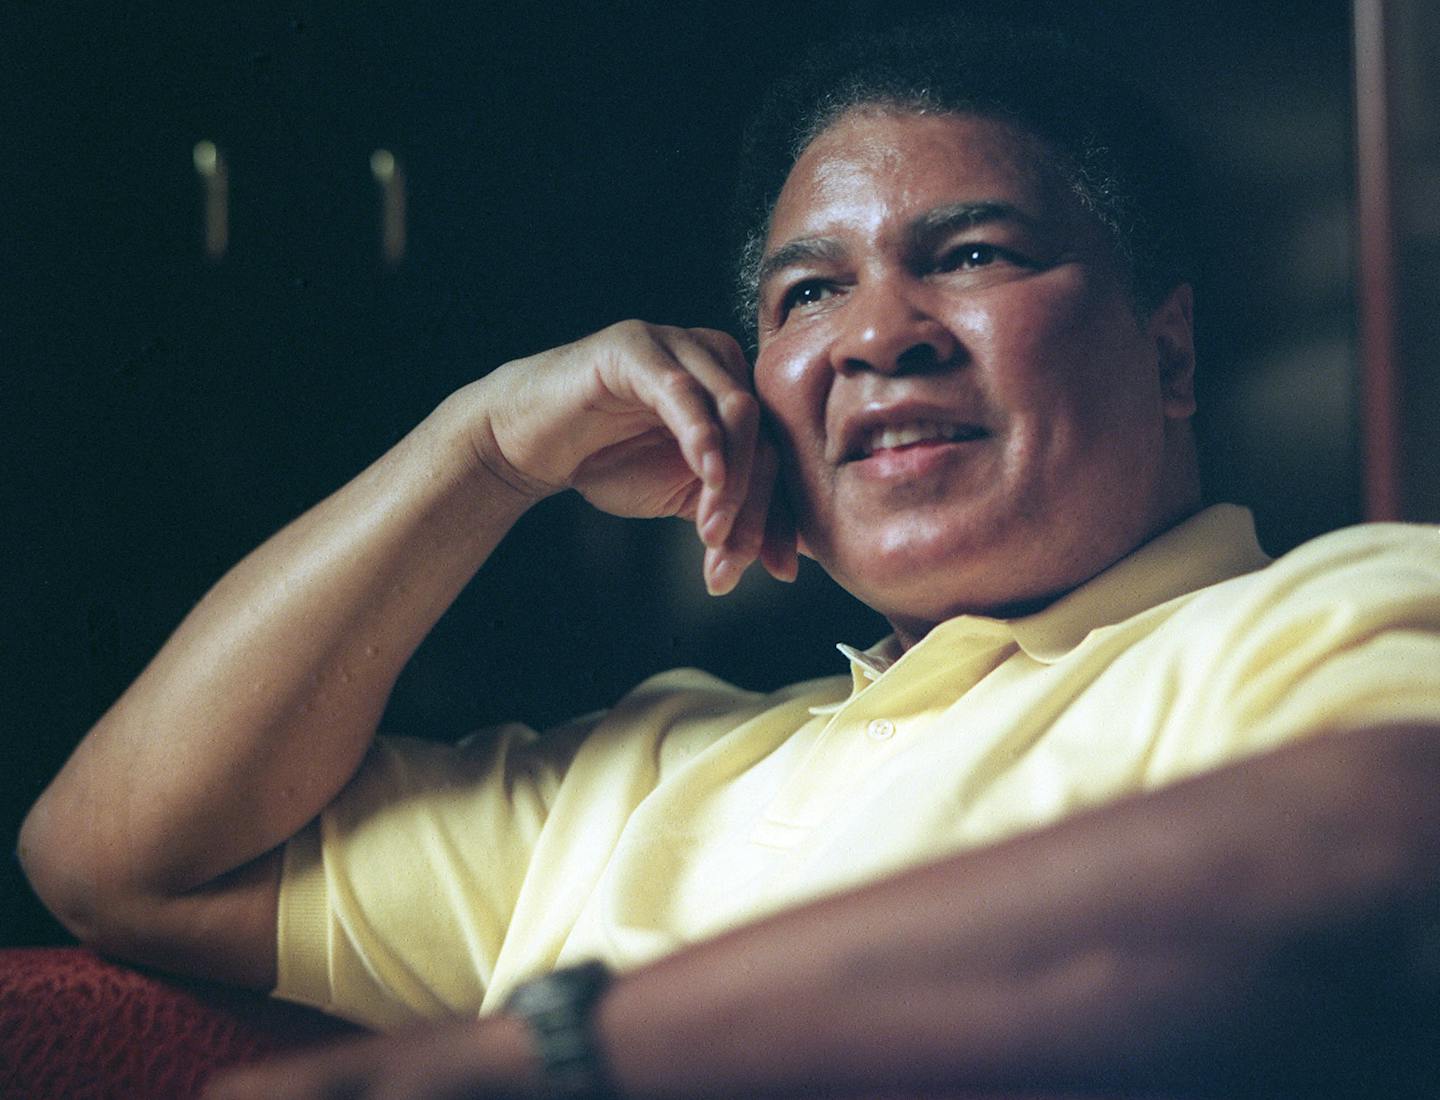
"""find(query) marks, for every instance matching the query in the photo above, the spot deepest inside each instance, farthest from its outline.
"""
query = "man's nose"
(891, 329)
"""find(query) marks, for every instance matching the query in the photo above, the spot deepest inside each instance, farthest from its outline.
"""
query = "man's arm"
(158, 839)
(1271, 929)
(1257, 931)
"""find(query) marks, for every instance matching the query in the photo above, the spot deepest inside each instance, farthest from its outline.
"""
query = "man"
(1118, 808)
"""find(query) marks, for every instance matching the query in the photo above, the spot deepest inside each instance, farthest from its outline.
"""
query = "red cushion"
(74, 1026)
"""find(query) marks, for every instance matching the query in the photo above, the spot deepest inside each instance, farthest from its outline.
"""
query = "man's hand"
(644, 421)
(490, 1059)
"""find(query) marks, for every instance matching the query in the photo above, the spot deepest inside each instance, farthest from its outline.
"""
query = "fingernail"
(722, 576)
(785, 571)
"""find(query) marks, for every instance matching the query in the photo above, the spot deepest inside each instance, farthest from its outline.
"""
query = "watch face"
(579, 985)
(557, 1007)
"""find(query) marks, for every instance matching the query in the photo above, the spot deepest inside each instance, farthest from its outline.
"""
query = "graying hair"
(1099, 135)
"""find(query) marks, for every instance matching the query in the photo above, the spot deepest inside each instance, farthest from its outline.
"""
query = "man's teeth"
(902, 435)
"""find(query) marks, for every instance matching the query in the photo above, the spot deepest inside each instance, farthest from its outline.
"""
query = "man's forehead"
(875, 168)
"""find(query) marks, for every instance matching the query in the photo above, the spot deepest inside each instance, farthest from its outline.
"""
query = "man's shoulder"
(1373, 540)
(1377, 569)
(1397, 555)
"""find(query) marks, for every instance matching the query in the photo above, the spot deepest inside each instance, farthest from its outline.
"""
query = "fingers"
(780, 553)
(678, 433)
(720, 505)
(728, 515)
(348, 1070)
(676, 391)
(449, 1060)
(721, 500)
(704, 399)
(748, 519)
(763, 530)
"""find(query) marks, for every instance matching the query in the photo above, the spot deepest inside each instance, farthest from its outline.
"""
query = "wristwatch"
(558, 1008)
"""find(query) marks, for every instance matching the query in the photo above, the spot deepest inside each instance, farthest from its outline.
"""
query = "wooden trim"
(1375, 254)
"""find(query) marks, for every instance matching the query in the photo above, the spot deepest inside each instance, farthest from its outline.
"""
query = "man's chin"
(919, 589)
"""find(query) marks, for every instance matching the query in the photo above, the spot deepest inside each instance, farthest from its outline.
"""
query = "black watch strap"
(558, 1008)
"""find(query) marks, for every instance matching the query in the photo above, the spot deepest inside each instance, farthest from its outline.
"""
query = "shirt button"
(881, 729)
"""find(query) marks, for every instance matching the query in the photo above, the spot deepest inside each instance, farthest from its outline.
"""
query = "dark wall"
(568, 165)
(1414, 48)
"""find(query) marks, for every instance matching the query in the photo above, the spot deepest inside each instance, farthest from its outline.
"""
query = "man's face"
(972, 416)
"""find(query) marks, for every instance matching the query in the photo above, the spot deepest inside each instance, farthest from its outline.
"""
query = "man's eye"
(806, 294)
(969, 256)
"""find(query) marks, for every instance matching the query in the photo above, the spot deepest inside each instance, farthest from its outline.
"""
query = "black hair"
(1105, 136)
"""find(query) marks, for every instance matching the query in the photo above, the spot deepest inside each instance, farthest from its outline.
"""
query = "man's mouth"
(890, 437)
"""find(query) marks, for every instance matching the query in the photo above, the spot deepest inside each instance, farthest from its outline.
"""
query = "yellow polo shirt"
(443, 875)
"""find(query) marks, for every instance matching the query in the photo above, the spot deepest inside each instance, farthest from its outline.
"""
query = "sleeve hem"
(302, 963)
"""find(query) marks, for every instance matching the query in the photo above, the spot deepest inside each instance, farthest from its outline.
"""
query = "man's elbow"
(223, 930)
(78, 890)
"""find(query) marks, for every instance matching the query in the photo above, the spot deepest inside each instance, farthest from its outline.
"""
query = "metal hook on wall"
(215, 175)
(390, 175)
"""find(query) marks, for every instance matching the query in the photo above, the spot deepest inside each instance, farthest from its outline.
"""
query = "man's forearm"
(262, 704)
(159, 837)
(1233, 935)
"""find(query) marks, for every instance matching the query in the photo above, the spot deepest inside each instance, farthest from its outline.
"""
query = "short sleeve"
(395, 901)
(1342, 634)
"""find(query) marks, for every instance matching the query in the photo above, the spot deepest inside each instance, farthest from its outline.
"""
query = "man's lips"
(896, 435)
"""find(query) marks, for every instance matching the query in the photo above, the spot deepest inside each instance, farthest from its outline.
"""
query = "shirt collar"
(868, 665)
(1211, 546)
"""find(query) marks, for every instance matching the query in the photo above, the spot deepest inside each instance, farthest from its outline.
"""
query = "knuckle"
(737, 406)
(685, 340)
(630, 331)
(705, 437)
(679, 383)
(716, 339)
(724, 348)
(627, 327)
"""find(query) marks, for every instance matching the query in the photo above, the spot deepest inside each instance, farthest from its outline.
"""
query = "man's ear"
(1171, 326)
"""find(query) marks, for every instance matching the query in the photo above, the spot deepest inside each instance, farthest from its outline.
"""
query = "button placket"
(880, 729)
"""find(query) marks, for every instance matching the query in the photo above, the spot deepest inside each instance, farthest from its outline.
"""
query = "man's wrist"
(559, 1011)
(463, 426)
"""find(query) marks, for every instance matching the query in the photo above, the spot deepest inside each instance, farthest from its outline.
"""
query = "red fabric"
(76, 1027)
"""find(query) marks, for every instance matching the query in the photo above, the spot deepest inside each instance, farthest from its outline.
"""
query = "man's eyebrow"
(962, 215)
(920, 233)
(802, 250)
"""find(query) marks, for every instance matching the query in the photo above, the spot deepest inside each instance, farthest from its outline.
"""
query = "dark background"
(568, 165)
